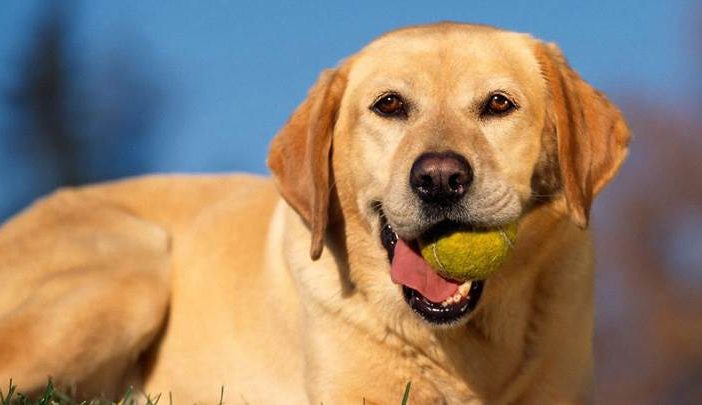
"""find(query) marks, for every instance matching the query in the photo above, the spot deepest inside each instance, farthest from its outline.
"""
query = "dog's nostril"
(425, 183)
(440, 177)
(456, 182)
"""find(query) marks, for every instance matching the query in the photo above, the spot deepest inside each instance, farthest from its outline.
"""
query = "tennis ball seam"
(436, 256)
(507, 239)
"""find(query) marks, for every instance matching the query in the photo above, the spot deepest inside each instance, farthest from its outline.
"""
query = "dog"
(280, 291)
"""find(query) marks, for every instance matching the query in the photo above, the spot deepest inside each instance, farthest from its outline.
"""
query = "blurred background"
(97, 90)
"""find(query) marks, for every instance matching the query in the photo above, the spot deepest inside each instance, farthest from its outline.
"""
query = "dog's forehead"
(448, 52)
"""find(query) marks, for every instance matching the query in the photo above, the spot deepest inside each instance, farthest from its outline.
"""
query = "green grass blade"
(10, 391)
(46, 399)
(127, 398)
(405, 397)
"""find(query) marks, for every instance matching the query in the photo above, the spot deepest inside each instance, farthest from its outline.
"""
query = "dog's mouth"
(437, 300)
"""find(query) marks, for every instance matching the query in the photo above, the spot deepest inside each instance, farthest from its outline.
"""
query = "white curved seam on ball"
(506, 238)
(436, 256)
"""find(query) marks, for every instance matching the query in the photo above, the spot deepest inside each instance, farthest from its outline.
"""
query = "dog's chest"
(431, 384)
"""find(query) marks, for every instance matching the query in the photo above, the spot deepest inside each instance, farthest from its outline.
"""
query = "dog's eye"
(498, 104)
(390, 105)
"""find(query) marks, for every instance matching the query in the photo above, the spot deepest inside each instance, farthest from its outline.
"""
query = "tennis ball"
(461, 255)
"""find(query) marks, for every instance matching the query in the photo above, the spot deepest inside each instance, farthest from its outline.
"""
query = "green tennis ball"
(463, 255)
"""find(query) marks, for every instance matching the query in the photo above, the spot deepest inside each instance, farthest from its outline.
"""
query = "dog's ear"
(592, 135)
(300, 155)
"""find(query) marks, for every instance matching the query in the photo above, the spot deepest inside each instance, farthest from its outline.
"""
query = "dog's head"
(444, 125)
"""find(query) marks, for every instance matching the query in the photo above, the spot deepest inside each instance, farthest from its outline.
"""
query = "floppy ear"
(591, 133)
(300, 155)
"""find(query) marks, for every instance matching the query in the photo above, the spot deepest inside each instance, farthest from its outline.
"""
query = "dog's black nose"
(440, 177)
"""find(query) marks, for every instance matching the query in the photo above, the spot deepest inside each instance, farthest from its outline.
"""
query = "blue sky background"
(231, 72)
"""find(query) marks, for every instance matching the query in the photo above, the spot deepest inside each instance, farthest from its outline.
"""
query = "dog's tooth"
(444, 303)
(449, 300)
(457, 297)
(464, 288)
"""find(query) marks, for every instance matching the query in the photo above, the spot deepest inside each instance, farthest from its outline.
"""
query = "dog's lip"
(439, 314)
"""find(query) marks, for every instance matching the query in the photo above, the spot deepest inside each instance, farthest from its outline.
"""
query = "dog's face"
(443, 126)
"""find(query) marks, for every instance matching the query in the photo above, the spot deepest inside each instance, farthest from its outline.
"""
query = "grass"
(53, 396)
(405, 397)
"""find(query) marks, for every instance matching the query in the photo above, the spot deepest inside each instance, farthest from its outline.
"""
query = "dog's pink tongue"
(410, 269)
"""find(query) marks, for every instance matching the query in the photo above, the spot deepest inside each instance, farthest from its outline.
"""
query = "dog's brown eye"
(498, 105)
(390, 105)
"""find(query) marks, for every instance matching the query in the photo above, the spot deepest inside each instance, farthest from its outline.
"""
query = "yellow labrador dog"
(282, 290)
